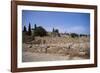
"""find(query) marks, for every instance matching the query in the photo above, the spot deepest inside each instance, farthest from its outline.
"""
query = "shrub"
(40, 31)
(73, 35)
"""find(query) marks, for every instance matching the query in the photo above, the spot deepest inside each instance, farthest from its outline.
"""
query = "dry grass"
(60, 46)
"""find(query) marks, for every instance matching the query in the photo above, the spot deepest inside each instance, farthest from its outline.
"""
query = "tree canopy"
(40, 31)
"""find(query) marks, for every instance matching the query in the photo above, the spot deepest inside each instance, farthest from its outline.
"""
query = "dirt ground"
(34, 57)
(58, 48)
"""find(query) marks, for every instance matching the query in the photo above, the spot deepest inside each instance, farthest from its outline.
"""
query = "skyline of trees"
(40, 31)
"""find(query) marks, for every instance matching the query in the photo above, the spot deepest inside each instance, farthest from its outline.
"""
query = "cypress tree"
(29, 30)
(25, 30)
(53, 30)
(35, 26)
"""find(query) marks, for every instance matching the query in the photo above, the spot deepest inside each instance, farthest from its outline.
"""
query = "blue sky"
(64, 21)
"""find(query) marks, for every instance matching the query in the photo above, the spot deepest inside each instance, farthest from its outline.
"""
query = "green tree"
(24, 30)
(40, 31)
(73, 35)
(29, 30)
(57, 31)
(35, 26)
(53, 30)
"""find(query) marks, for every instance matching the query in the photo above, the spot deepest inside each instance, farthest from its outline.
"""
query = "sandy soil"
(34, 57)
(56, 48)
